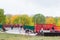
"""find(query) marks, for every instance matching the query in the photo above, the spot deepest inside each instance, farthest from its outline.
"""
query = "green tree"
(58, 21)
(2, 16)
(39, 19)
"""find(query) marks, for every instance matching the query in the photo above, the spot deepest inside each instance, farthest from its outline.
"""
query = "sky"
(31, 7)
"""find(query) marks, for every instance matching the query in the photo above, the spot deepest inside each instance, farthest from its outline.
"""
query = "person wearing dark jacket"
(11, 27)
(53, 30)
(4, 29)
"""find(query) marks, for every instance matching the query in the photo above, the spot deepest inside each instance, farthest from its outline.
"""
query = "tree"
(16, 20)
(31, 22)
(8, 19)
(58, 21)
(2, 16)
(39, 19)
(25, 19)
(50, 20)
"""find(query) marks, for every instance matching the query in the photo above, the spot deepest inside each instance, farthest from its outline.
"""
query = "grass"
(4, 36)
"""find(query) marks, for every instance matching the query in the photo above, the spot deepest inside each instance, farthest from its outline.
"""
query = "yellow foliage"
(50, 20)
(13, 18)
(58, 22)
(7, 20)
(31, 21)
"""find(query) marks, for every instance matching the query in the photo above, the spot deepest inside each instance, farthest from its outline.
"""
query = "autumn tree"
(31, 22)
(25, 19)
(50, 20)
(17, 20)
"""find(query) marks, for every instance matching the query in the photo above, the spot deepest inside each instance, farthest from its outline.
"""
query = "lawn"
(4, 36)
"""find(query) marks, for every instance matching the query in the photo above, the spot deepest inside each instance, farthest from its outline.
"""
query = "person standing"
(11, 27)
(20, 29)
(41, 31)
(53, 30)
(4, 29)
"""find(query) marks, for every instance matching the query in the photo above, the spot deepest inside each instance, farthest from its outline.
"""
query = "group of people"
(21, 29)
(4, 28)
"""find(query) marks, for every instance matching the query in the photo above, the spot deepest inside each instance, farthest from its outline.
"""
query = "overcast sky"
(31, 7)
